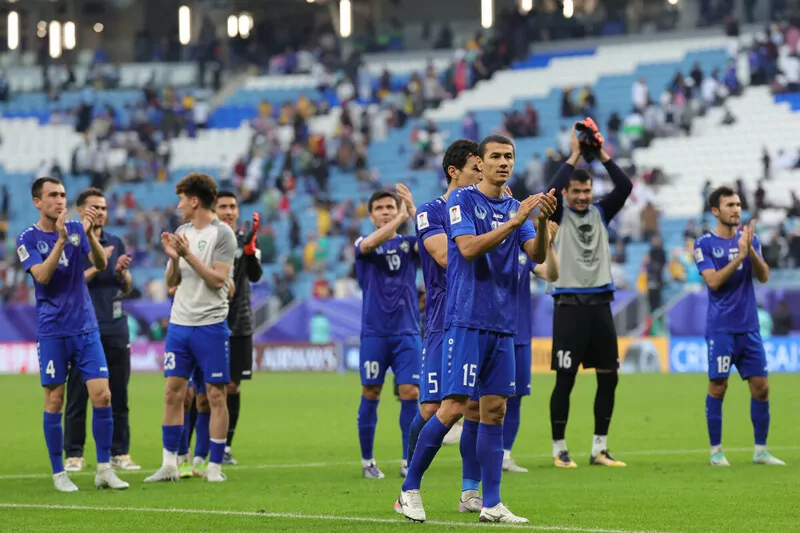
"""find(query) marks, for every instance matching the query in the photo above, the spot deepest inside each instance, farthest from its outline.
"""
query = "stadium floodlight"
(13, 30)
(55, 39)
(245, 25)
(98, 27)
(233, 26)
(673, 2)
(41, 29)
(69, 35)
(569, 9)
(345, 18)
(184, 25)
(487, 13)
(525, 6)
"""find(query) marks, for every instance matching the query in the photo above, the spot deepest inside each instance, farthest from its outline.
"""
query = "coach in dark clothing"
(106, 289)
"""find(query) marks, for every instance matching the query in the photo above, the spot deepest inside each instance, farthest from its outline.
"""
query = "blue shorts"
(478, 363)
(522, 354)
(197, 382)
(743, 350)
(56, 354)
(430, 382)
(400, 352)
(206, 348)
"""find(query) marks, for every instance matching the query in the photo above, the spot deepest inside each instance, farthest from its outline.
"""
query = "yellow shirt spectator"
(323, 221)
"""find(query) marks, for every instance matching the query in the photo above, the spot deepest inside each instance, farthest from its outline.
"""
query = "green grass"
(298, 453)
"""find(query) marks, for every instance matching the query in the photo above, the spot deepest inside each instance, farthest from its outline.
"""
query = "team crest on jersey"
(201, 245)
(405, 246)
(75, 239)
(43, 247)
(480, 212)
(718, 252)
(512, 214)
(22, 252)
(455, 214)
(422, 220)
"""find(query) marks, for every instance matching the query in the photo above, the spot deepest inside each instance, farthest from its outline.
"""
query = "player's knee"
(202, 402)
(217, 396)
(451, 411)
(101, 398)
(408, 392)
(427, 410)
(493, 410)
(565, 381)
(760, 389)
(717, 388)
(607, 380)
(54, 399)
(473, 411)
(371, 392)
(233, 387)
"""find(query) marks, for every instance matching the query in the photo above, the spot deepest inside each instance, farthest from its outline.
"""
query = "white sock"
(212, 467)
(367, 462)
(559, 446)
(404, 463)
(599, 444)
(506, 454)
(101, 467)
(198, 461)
(759, 448)
(169, 459)
(716, 449)
(227, 449)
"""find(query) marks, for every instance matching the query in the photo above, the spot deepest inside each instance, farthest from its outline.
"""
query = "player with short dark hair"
(52, 251)
(583, 325)
(486, 230)
(386, 268)
(106, 288)
(728, 259)
(462, 167)
(201, 255)
(247, 269)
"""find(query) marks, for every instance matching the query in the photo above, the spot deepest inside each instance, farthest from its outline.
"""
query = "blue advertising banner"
(690, 354)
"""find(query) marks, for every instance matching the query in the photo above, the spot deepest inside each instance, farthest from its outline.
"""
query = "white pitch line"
(357, 463)
(298, 516)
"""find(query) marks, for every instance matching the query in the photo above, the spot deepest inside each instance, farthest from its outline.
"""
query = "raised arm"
(173, 274)
(369, 243)
(536, 248)
(717, 278)
(613, 202)
(760, 267)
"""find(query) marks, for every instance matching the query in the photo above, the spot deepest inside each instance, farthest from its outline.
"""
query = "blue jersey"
(524, 330)
(484, 293)
(388, 278)
(732, 308)
(430, 222)
(63, 306)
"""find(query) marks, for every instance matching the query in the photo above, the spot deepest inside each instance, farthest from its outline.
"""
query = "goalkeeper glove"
(251, 234)
(590, 139)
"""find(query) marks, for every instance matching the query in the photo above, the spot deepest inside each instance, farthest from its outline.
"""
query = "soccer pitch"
(299, 465)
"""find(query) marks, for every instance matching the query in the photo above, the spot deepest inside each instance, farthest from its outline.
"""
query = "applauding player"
(728, 260)
(386, 267)
(201, 256)
(486, 230)
(52, 251)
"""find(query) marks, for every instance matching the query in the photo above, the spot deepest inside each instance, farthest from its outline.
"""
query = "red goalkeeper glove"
(251, 234)
(590, 138)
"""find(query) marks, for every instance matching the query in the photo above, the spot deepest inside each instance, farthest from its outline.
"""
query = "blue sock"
(217, 450)
(102, 431)
(714, 419)
(759, 414)
(511, 421)
(470, 467)
(409, 409)
(430, 440)
(490, 455)
(201, 439)
(183, 449)
(54, 438)
(367, 422)
(171, 437)
(413, 433)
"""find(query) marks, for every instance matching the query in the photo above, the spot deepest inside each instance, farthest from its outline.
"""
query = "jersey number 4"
(50, 370)
(63, 259)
